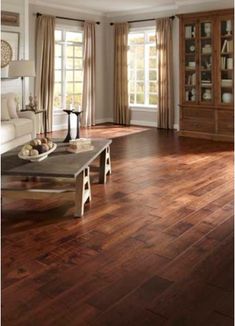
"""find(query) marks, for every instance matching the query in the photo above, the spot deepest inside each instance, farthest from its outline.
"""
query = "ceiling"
(112, 7)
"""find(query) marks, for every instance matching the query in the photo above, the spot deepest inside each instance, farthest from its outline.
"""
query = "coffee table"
(59, 164)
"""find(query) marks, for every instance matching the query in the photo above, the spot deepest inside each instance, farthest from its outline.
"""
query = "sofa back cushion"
(5, 116)
(12, 105)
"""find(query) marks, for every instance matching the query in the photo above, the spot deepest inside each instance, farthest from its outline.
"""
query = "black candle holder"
(68, 137)
(78, 122)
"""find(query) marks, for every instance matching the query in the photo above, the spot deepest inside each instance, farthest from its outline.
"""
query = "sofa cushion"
(7, 132)
(12, 105)
(22, 126)
(4, 109)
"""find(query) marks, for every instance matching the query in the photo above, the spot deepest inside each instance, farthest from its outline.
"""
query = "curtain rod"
(66, 18)
(143, 20)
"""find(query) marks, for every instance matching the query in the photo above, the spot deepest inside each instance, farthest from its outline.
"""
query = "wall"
(145, 116)
(21, 7)
(60, 119)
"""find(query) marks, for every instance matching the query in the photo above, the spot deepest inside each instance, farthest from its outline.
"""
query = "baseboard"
(103, 120)
(143, 123)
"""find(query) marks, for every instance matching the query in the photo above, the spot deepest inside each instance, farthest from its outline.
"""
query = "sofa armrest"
(29, 115)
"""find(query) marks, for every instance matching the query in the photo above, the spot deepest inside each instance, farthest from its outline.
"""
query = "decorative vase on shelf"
(207, 29)
(229, 27)
(207, 95)
(227, 97)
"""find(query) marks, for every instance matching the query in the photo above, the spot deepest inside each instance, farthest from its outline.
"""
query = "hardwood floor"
(155, 246)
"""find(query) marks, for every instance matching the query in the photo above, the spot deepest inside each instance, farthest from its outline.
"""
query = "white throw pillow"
(12, 107)
(4, 110)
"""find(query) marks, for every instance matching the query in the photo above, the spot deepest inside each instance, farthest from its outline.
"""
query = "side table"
(44, 118)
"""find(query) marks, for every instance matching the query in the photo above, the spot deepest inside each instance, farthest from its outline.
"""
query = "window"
(68, 68)
(142, 68)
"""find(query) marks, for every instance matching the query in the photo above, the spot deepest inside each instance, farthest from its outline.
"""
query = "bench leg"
(82, 191)
(105, 165)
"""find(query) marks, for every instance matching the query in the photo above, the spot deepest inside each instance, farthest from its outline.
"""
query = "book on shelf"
(227, 46)
(223, 62)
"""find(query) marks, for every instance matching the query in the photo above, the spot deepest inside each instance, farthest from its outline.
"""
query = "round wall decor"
(6, 53)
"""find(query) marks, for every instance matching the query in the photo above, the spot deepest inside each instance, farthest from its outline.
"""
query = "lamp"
(21, 68)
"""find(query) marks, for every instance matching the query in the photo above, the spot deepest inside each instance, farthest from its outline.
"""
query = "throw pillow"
(4, 110)
(12, 107)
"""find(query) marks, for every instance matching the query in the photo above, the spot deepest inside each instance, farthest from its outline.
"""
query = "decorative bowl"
(37, 158)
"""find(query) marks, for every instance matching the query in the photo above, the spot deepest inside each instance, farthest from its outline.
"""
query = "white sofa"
(17, 128)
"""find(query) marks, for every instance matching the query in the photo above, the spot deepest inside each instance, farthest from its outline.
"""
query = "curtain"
(89, 75)
(165, 73)
(121, 109)
(44, 86)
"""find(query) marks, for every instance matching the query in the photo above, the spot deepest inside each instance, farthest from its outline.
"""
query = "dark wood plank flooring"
(155, 246)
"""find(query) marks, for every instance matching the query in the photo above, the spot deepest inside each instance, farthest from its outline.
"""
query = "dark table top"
(60, 163)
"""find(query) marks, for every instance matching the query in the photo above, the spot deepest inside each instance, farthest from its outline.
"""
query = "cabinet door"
(226, 60)
(190, 70)
(206, 61)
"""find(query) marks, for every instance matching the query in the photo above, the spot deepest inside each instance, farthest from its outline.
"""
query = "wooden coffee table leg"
(105, 165)
(82, 191)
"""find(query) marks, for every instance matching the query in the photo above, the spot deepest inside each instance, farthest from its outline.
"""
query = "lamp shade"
(21, 68)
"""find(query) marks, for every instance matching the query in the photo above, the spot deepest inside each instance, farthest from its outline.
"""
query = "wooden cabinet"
(206, 75)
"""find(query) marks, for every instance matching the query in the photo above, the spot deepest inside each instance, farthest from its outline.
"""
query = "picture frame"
(12, 40)
(10, 18)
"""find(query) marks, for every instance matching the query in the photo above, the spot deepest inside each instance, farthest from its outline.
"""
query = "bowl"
(39, 157)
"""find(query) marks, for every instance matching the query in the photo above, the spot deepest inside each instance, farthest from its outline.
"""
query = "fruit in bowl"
(37, 150)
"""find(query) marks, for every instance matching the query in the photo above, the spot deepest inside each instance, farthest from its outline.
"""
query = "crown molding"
(141, 11)
(79, 9)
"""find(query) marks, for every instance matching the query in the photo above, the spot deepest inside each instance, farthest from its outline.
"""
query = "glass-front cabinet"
(206, 74)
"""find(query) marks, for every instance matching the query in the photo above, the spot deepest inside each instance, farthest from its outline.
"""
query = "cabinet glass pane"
(206, 61)
(190, 91)
(226, 63)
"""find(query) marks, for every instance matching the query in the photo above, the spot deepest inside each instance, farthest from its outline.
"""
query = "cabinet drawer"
(198, 125)
(225, 122)
(198, 114)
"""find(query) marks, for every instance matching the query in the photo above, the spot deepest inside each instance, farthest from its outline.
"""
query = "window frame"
(147, 46)
(66, 28)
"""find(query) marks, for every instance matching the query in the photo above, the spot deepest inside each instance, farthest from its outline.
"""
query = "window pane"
(152, 51)
(131, 74)
(132, 98)
(78, 88)
(58, 50)
(78, 63)
(131, 87)
(140, 98)
(77, 100)
(153, 63)
(140, 75)
(57, 102)
(58, 35)
(69, 63)
(139, 51)
(57, 89)
(78, 51)
(69, 88)
(151, 37)
(78, 75)
(136, 38)
(57, 75)
(74, 36)
(140, 63)
(69, 51)
(69, 76)
(153, 87)
(152, 75)
(153, 99)
(57, 63)
(140, 87)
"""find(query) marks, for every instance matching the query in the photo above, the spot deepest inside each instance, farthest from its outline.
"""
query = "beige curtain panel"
(121, 109)
(165, 71)
(89, 75)
(44, 86)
